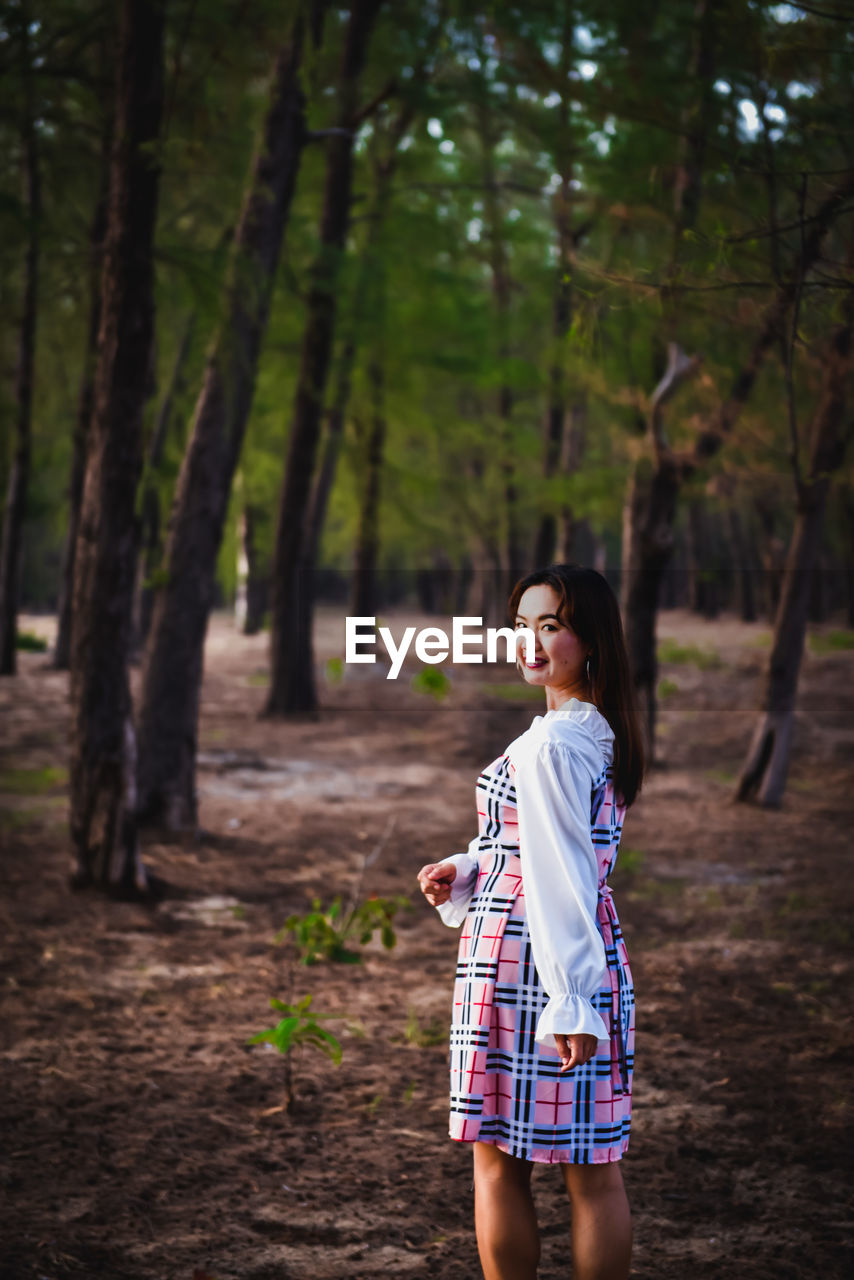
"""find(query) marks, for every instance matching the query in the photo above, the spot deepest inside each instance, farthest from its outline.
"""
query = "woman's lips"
(534, 666)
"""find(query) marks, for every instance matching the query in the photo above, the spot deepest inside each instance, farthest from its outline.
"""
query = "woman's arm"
(560, 877)
(449, 885)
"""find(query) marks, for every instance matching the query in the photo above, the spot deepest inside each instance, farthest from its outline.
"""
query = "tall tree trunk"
(546, 540)
(500, 271)
(292, 685)
(172, 676)
(647, 533)
(85, 401)
(572, 452)
(764, 772)
(103, 818)
(846, 509)
(364, 598)
(257, 585)
(151, 547)
(368, 306)
(744, 565)
(16, 494)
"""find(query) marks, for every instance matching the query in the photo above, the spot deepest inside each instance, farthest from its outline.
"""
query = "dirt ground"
(141, 1135)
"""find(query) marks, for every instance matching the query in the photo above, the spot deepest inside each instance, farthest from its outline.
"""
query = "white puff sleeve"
(560, 877)
(453, 912)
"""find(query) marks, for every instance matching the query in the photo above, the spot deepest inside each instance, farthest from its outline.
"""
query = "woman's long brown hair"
(589, 606)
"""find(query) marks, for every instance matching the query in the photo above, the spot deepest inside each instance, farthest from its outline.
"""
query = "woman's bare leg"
(601, 1222)
(507, 1237)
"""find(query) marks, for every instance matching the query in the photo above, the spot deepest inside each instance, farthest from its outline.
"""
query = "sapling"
(300, 1025)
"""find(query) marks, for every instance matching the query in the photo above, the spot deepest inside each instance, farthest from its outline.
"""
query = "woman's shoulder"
(575, 728)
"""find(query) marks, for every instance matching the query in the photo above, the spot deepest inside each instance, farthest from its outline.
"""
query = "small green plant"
(830, 641)
(432, 1033)
(32, 782)
(670, 651)
(300, 1026)
(29, 642)
(329, 933)
(630, 861)
(432, 681)
(666, 688)
(334, 670)
(513, 692)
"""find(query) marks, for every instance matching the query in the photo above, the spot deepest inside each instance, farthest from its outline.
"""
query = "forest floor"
(143, 1138)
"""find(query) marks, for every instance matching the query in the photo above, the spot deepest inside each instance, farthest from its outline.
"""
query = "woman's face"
(560, 656)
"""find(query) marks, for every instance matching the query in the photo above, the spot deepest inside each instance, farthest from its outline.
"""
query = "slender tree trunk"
(103, 819)
(151, 548)
(16, 494)
(642, 553)
(571, 454)
(85, 400)
(500, 271)
(368, 306)
(648, 537)
(546, 541)
(292, 684)
(172, 677)
(364, 600)
(647, 544)
(257, 574)
(765, 769)
(846, 509)
(744, 565)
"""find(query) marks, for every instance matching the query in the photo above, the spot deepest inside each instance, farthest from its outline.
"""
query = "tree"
(102, 774)
(16, 498)
(292, 686)
(172, 676)
(763, 774)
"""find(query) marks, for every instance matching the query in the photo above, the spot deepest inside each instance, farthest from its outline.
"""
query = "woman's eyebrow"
(521, 617)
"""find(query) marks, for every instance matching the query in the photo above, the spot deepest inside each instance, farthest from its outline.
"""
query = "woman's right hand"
(435, 881)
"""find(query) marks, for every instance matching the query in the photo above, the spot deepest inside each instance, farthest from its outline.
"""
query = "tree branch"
(679, 367)
(711, 439)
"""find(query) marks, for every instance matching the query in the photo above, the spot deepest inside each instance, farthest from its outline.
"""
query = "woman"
(543, 1029)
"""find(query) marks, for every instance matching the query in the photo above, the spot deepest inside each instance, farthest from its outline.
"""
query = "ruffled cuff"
(569, 1015)
(454, 911)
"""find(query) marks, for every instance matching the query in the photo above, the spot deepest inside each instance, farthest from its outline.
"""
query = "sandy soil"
(143, 1137)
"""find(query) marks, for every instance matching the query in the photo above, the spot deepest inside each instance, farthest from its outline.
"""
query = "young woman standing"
(542, 1040)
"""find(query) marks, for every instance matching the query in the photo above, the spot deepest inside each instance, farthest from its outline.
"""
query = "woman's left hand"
(575, 1050)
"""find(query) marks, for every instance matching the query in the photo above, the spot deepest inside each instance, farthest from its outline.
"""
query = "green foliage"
(300, 1026)
(334, 670)
(428, 1036)
(831, 641)
(516, 692)
(330, 933)
(32, 782)
(671, 651)
(666, 688)
(630, 861)
(432, 681)
(29, 642)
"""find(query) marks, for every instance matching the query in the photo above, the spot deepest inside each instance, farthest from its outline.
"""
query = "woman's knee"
(492, 1165)
(590, 1181)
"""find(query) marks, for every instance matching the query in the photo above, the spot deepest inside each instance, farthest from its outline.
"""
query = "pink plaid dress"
(506, 1087)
